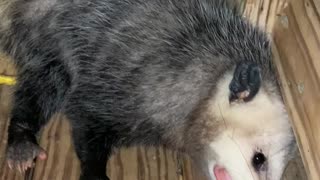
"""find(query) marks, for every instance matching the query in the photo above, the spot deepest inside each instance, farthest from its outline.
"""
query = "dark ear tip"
(246, 82)
(254, 68)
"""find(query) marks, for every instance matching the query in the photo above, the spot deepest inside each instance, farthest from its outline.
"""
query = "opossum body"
(192, 75)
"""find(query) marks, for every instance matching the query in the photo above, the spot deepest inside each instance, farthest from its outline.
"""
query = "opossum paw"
(21, 155)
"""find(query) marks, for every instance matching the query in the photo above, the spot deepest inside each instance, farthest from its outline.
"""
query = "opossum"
(190, 75)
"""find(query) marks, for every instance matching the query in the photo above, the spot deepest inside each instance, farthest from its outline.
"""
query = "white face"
(258, 129)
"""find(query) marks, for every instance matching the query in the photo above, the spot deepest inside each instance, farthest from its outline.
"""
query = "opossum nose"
(221, 173)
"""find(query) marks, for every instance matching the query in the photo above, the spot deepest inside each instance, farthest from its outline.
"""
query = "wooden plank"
(297, 39)
(264, 12)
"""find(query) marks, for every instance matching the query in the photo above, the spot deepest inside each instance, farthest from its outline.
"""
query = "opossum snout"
(221, 173)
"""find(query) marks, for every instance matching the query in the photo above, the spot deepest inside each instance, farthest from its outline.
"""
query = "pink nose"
(221, 173)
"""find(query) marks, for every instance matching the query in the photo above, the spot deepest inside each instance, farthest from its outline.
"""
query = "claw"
(21, 155)
(29, 164)
(10, 164)
(25, 167)
(34, 154)
(19, 168)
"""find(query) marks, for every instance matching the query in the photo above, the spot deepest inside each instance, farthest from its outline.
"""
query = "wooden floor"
(136, 163)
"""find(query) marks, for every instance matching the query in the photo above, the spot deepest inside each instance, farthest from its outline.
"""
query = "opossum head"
(254, 140)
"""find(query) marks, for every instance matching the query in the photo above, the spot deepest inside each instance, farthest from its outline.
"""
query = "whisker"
(248, 164)
(225, 123)
(233, 130)
(281, 149)
(236, 171)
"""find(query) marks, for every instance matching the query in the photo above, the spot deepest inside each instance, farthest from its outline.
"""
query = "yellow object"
(7, 80)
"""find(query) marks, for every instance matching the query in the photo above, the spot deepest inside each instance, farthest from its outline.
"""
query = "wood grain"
(264, 12)
(297, 46)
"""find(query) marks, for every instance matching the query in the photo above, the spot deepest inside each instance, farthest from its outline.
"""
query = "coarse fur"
(192, 75)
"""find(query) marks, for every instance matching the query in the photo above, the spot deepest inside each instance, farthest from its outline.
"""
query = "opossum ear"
(246, 82)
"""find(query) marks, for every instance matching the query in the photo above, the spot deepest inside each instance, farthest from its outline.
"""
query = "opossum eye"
(258, 161)
(245, 83)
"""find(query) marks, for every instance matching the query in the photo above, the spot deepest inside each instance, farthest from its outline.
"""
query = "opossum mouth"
(221, 173)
